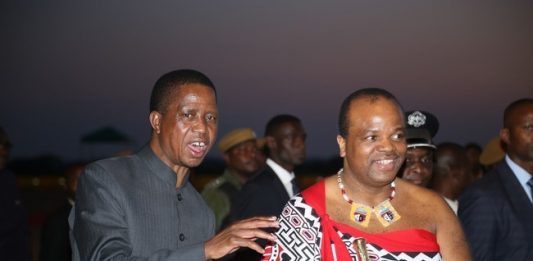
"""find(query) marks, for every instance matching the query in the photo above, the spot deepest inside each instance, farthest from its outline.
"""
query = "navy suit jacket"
(497, 217)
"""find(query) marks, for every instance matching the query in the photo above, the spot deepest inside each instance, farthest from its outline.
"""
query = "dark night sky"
(69, 67)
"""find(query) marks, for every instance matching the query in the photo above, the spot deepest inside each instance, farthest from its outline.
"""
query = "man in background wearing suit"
(267, 192)
(497, 210)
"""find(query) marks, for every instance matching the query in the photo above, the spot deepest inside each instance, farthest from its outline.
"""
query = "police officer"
(421, 128)
(239, 148)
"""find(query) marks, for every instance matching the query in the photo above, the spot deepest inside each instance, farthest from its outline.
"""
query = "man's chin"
(193, 162)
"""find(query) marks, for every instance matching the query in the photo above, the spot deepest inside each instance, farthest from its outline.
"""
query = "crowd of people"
(397, 196)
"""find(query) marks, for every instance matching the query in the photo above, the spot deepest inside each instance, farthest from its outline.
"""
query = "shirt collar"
(282, 173)
(159, 168)
(521, 174)
(454, 204)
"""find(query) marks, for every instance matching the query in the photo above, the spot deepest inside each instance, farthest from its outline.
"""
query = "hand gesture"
(240, 234)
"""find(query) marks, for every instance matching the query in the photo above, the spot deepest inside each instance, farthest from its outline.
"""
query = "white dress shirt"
(454, 204)
(284, 176)
(521, 174)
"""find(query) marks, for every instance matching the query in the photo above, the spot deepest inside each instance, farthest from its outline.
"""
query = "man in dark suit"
(497, 211)
(268, 191)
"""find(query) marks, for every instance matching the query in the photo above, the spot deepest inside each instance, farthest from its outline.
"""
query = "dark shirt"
(14, 230)
(55, 244)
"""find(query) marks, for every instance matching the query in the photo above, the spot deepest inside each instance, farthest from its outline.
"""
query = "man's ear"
(504, 135)
(342, 145)
(155, 121)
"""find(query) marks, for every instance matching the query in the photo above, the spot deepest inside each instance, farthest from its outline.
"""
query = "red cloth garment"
(307, 233)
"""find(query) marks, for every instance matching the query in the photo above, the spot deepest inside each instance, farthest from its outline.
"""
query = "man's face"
(186, 130)
(242, 158)
(418, 168)
(374, 148)
(463, 174)
(519, 136)
(289, 148)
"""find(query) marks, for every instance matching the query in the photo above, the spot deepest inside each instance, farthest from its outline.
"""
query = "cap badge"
(416, 119)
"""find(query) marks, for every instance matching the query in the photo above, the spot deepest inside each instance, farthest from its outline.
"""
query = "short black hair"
(169, 81)
(275, 123)
(473, 145)
(507, 114)
(459, 157)
(372, 93)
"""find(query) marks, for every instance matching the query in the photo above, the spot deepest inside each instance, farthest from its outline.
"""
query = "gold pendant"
(360, 214)
(386, 213)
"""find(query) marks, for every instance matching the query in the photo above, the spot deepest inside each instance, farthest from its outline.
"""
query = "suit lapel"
(516, 195)
(279, 186)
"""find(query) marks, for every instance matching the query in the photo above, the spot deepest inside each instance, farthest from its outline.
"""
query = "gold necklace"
(361, 213)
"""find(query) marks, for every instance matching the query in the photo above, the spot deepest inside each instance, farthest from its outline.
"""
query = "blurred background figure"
(262, 152)
(497, 210)
(473, 152)
(266, 193)
(421, 127)
(452, 173)
(239, 149)
(492, 153)
(55, 244)
(14, 230)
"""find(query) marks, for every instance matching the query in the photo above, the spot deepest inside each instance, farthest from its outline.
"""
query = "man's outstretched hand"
(240, 234)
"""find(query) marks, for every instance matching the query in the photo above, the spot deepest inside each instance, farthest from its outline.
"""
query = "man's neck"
(181, 171)
(526, 165)
(287, 167)
(181, 175)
